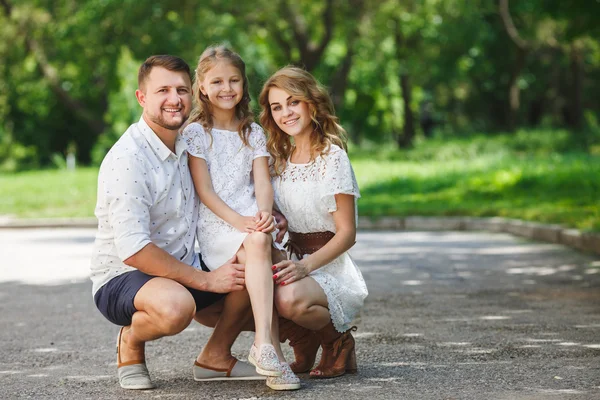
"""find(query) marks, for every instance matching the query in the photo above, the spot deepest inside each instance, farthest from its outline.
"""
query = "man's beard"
(172, 126)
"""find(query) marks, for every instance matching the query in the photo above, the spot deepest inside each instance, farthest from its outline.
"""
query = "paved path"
(450, 315)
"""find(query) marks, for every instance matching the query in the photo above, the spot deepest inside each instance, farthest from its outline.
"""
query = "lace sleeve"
(258, 141)
(338, 178)
(195, 139)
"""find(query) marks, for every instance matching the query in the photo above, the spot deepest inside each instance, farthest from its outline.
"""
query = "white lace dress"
(304, 193)
(230, 167)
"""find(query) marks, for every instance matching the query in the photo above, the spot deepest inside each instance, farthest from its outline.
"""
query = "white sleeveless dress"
(304, 193)
(230, 167)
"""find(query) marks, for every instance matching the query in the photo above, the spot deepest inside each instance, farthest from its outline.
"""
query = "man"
(146, 275)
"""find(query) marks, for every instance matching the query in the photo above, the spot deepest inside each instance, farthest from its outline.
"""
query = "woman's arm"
(343, 240)
(206, 192)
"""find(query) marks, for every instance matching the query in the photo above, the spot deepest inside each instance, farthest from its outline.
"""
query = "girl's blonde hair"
(302, 86)
(202, 107)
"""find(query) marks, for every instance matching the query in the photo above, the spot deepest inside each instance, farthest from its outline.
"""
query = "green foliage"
(123, 108)
(68, 70)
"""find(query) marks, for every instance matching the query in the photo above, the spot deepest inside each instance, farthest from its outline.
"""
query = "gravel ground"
(450, 315)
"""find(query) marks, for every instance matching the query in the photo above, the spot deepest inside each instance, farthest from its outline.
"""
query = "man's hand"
(281, 224)
(230, 277)
(264, 222)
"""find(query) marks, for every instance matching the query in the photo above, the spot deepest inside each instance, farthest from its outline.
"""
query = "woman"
(319, 287)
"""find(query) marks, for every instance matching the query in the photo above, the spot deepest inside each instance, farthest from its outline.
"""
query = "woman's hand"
(245, 224)
(264, 222)
(286, 272)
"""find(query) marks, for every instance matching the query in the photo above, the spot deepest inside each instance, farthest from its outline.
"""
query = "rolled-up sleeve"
(128, 201)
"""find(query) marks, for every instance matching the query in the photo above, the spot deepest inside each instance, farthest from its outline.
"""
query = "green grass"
(542, 176)
(49, 193)
(562, 189)
(535, 176)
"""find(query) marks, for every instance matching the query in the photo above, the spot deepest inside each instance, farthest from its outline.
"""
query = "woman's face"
(291, 115)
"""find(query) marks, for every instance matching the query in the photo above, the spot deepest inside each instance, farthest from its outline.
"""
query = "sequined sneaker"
(287, 381)
(265, 360)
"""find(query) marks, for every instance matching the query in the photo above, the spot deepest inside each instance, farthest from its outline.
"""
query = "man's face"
(166, 97)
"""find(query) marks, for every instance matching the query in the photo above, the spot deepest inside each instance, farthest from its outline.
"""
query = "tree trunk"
(514, 92)
(576, 90)
(523, 47)
(340, 80)
(408, 130)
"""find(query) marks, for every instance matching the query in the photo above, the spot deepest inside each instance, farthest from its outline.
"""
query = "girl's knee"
(258, 240)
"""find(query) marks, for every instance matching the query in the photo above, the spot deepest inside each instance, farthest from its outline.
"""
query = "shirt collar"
(161, 150)
(180, 145)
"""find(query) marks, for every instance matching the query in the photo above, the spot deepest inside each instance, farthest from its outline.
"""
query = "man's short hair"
(171, 63)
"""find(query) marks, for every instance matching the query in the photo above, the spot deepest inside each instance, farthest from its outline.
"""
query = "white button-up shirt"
(145, 194)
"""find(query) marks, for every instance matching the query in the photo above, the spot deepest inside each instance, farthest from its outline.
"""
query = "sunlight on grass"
(560, 189)
(481, 177)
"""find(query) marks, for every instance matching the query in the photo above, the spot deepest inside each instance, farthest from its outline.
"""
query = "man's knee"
(174, 312)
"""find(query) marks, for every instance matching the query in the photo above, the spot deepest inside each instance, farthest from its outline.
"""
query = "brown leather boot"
(304, 342)
(338, 356)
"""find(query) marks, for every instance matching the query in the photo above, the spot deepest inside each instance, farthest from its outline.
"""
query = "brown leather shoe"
(304, 342)
(339, 356)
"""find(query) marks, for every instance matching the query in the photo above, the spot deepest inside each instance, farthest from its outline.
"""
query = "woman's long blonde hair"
(302, 86)
(202, 107)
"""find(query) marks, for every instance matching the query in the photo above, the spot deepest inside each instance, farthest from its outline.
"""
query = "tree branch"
(327, 19)
(7, 7)
(298, 26)
(509, 26)
(51, 76)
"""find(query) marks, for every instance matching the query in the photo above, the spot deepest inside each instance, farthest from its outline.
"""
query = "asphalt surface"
(450, 315)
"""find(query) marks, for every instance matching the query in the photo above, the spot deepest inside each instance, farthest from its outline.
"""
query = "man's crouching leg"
(229, 317)
(164, 308)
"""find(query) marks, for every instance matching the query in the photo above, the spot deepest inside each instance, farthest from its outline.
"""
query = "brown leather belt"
(307, 243)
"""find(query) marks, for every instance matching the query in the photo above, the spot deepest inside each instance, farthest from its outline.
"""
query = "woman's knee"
(289, 302)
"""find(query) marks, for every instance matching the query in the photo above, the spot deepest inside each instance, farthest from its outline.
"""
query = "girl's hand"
(264, 222)
(288, 271)
(245, 224)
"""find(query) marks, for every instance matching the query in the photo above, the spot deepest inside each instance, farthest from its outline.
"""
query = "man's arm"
(280, 223)
(153, 260)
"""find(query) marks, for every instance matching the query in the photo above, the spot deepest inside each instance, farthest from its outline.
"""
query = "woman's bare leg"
(303, 302)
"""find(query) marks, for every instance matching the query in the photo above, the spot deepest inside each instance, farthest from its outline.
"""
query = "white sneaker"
(287, 381)
(265, 360)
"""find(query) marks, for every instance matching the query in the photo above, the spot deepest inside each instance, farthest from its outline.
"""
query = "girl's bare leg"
(259, 282)
(277, 256)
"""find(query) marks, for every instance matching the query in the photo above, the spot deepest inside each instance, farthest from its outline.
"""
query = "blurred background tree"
(397, 71)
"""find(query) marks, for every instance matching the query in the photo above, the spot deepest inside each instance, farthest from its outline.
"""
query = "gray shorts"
(115, 298)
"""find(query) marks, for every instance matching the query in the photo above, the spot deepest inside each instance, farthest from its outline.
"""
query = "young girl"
(231, 175)
(320, 288)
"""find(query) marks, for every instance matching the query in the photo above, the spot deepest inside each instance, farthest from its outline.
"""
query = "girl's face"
(223, 84)
(291, 115)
